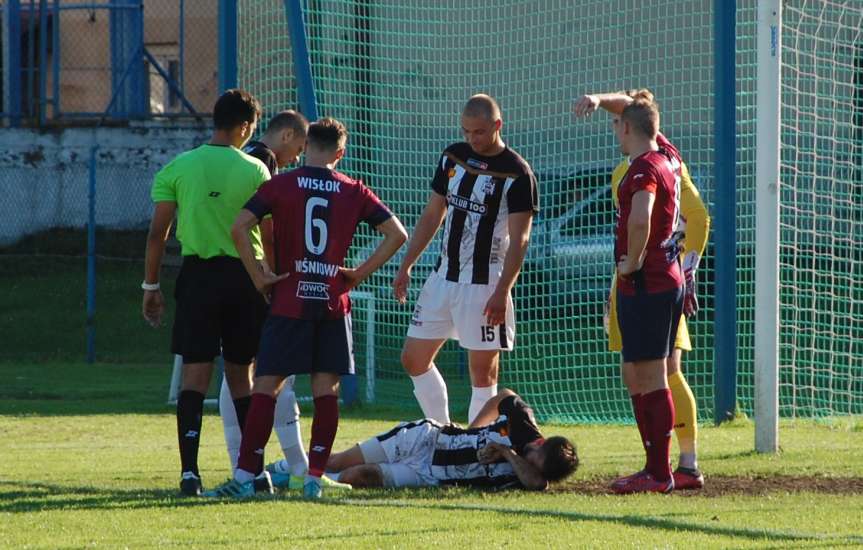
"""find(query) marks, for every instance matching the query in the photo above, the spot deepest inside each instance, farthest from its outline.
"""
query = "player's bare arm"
(489, 413)
(430, 221)
(268, 244)
(614, 102)
(519, 236)
(394, 237)
(528, 474)
(638, 230)
(264, 280)
(154, 304)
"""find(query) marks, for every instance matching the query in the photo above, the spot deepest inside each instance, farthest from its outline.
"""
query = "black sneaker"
(264, 484)
(190, 485)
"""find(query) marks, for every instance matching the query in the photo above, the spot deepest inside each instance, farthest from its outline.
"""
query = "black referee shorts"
(304, 346)
(219, 311)
(648, 323)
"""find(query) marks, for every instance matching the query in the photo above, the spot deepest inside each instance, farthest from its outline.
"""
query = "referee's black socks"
(190, 408)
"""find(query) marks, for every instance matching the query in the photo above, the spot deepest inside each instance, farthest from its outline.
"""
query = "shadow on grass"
(24, 497)
(651, 522)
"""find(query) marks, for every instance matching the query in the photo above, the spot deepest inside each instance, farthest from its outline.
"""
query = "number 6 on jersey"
(315, 223)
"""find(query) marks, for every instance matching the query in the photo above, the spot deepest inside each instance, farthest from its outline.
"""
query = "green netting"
(398, 72)
(821, 219)
(746, 111)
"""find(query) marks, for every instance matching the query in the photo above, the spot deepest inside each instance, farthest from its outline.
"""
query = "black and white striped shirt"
(454, 460)
(480, 192)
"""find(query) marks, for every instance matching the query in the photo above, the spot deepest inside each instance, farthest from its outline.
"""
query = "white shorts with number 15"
(455, 310)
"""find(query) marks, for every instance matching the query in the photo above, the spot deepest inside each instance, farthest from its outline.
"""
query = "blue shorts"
(648, 323)
(303, 346)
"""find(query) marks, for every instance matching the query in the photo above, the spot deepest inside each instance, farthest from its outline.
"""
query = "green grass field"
(88, 455)
(89, 460)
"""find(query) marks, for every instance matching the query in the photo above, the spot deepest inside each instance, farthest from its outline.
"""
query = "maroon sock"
(256, 432)
(659, 412)
(324, 427)
(638, 412)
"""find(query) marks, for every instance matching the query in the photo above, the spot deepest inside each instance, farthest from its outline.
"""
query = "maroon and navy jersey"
(657, 172)
(315, 212)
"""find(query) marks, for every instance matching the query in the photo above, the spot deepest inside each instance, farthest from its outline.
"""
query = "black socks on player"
(190, 407)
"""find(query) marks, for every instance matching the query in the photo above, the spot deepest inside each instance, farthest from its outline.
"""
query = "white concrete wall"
(44, 176)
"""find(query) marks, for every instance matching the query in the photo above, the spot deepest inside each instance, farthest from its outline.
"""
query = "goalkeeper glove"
(690, 299)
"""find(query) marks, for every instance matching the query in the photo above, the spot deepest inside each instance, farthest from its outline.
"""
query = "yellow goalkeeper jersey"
(692, 209)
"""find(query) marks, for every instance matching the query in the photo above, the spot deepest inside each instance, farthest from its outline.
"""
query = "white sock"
(233, 434)
(430, 391)
(478, 398)
(287, 427)
(243, 476)
(333, 475)
(688, 460)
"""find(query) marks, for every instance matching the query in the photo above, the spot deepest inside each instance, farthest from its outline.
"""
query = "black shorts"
(648, 323)
(219, 311)
(303, 346)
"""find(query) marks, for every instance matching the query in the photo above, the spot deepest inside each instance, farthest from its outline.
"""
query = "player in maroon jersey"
(316, 211)
(649, 284)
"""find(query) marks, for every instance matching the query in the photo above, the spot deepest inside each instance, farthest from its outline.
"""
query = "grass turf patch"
(93, 464)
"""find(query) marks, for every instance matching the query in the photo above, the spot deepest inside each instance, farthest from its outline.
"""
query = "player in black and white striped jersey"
(502, 449)
(486, 196)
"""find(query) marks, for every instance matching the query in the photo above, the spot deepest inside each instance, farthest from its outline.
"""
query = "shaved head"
(482, 105)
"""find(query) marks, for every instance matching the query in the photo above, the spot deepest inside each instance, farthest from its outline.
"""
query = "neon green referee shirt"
(210, 185)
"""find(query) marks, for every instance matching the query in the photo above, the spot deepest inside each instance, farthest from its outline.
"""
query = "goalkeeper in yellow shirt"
(693, 230)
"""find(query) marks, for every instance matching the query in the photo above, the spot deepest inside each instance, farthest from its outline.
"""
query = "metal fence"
(107, 60)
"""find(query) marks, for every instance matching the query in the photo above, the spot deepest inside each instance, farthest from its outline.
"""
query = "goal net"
(398, 72)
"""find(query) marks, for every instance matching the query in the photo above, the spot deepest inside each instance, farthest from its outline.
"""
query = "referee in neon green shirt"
(219, 311)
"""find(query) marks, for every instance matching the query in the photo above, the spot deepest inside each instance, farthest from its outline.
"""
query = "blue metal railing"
(35, 69)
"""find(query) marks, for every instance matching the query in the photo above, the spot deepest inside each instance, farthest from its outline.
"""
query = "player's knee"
(410, 362)
(366, 475)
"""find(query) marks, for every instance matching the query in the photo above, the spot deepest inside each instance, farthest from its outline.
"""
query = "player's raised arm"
(430, 220)
(489, 411)
(613, 102)
(394, 237)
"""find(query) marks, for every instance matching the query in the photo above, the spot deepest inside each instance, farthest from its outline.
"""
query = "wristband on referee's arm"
(150, 286)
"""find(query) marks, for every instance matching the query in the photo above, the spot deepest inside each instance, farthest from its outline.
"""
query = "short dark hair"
(482, 105)
(288, 120)
(327, 134)
(643, 114)
(561, 458)
(235, 107)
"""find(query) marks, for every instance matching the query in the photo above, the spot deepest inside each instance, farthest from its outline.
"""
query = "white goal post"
(767, 226)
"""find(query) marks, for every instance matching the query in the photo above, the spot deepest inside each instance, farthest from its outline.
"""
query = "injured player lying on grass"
(502, 448)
